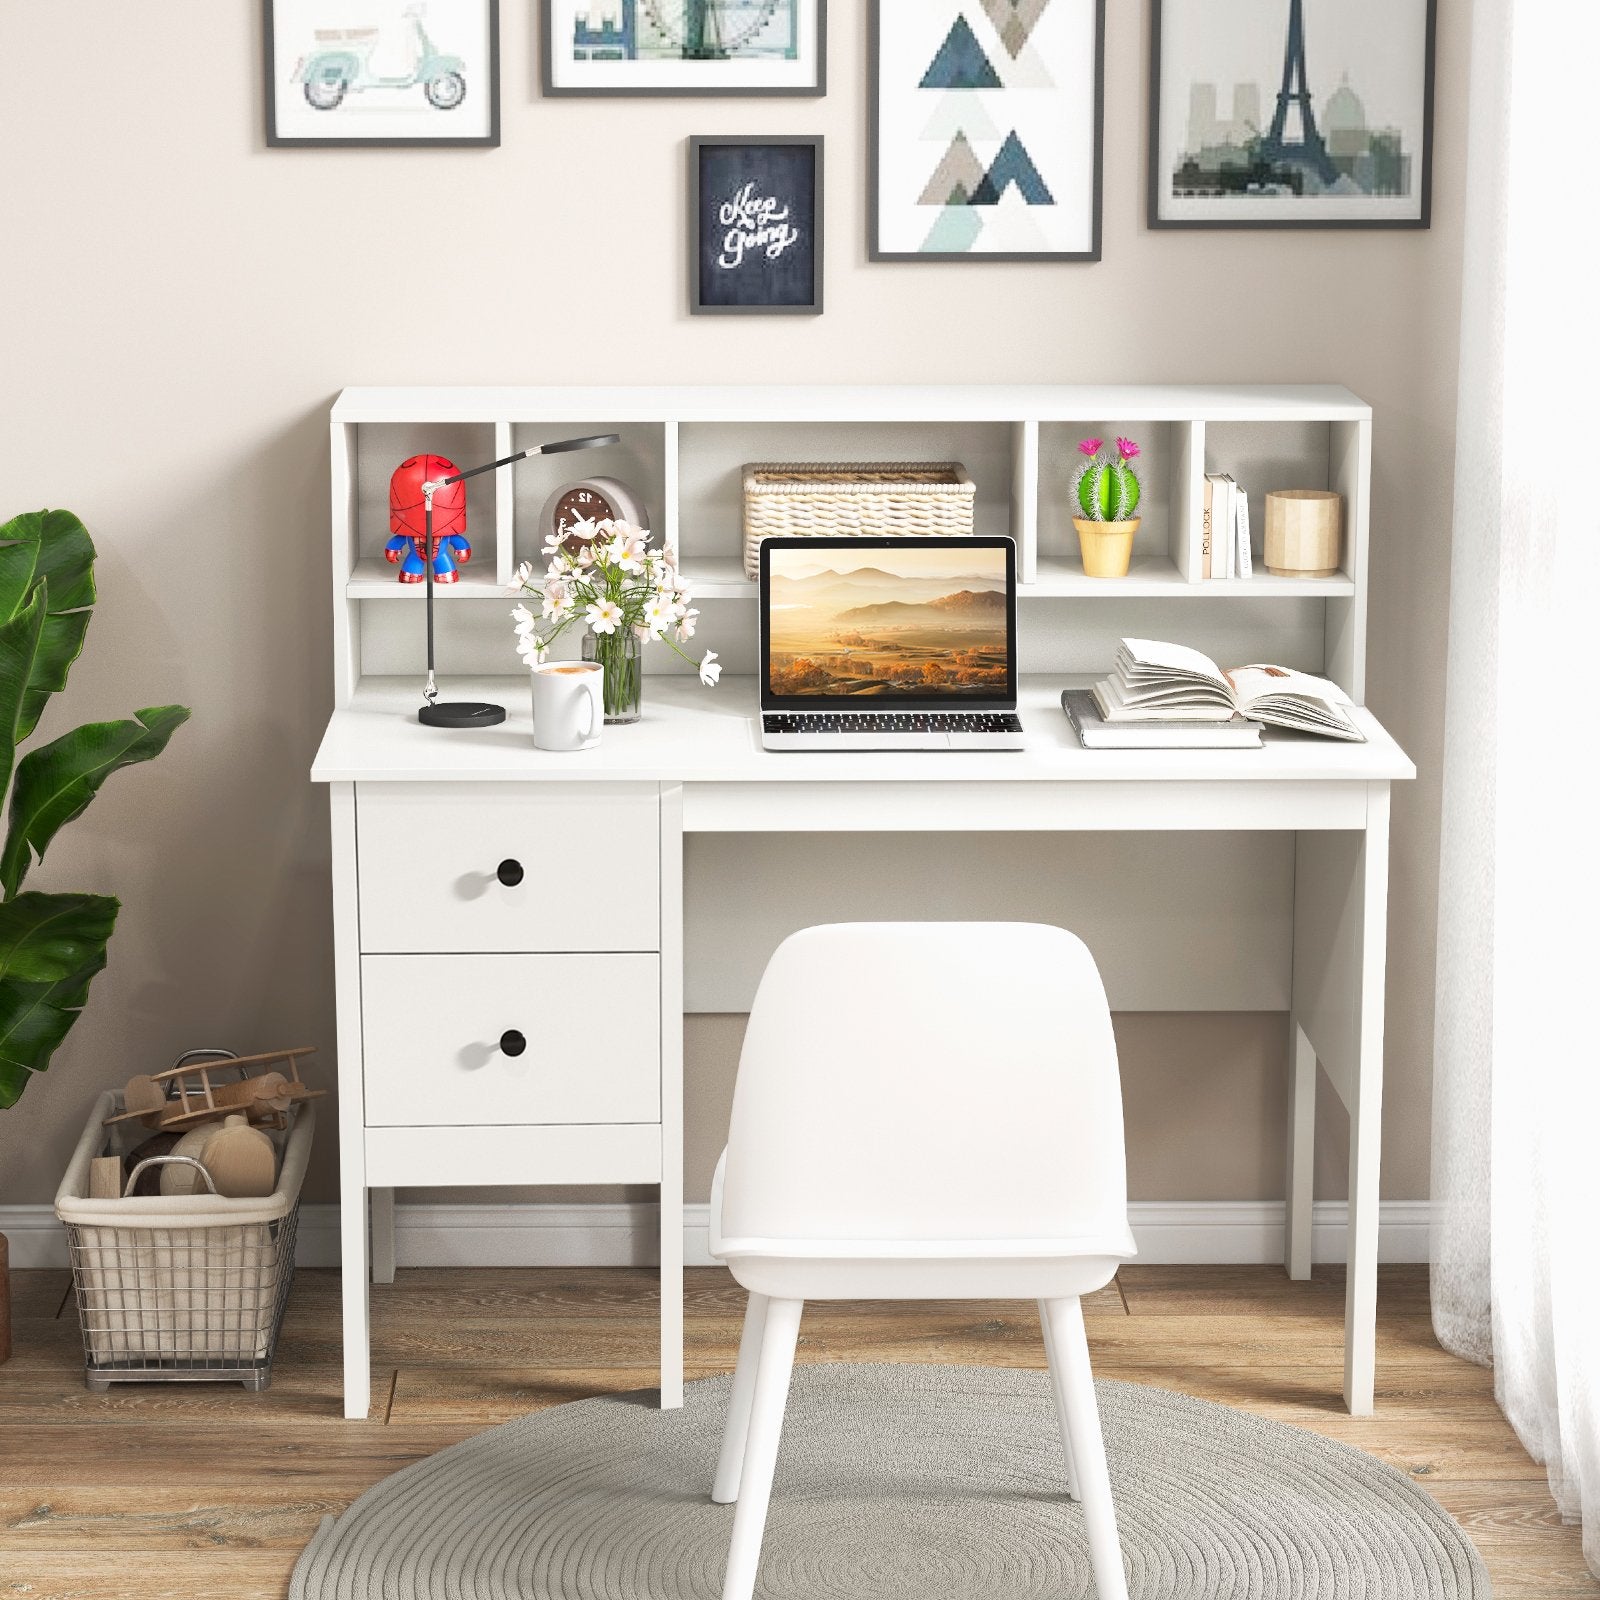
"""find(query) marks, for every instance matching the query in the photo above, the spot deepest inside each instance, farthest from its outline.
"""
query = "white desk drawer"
(439, 1039)
(429, 858)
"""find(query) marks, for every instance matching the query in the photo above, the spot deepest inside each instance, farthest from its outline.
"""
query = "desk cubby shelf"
(682, 449)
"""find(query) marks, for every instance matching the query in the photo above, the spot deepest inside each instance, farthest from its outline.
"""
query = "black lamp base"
(461, 714)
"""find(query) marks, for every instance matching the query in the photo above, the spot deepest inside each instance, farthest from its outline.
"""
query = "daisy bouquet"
(604, 577)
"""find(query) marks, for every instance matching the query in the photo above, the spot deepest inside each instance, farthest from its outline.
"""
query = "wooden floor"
(204, 1490)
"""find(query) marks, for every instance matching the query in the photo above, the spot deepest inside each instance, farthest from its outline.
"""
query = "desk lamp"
(475, 713)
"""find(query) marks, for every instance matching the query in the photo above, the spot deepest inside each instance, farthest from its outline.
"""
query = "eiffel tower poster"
(1291, 113)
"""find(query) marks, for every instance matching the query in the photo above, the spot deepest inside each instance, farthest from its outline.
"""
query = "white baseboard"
(1179, 1232)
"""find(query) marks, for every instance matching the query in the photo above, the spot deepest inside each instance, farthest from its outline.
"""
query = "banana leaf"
(51, 947)
(54, 546)
(56, 782)
(19, 649)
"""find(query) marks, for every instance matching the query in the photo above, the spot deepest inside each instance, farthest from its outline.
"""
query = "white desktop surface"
(698, 735)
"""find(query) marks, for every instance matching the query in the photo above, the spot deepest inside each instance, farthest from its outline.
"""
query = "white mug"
(567, 712)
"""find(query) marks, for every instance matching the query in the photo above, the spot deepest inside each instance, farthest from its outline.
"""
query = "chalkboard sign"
(755, 225)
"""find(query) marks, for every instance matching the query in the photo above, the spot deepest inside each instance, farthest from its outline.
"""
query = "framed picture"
(382, 72)
(985, 130)
(1291, 113)
(685, 47)
(755, 225)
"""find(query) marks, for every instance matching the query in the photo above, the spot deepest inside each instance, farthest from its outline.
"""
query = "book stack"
(1164, 696)
(1224, 529)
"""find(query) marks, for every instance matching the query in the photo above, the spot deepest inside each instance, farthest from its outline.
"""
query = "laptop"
(889, 644)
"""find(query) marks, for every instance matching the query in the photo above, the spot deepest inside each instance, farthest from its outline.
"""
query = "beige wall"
(181, 305)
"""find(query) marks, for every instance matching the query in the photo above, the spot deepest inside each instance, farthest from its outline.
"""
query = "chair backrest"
(927, 1081)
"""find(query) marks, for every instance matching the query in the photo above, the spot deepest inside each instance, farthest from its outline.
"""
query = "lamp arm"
(488, 466)
(554, 447)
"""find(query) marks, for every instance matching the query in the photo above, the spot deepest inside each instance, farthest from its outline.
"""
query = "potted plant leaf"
(51, 945)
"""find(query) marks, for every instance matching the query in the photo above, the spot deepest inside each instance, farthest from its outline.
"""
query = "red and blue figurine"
(407, 521)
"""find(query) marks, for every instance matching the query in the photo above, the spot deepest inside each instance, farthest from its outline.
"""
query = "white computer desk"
(433, 952)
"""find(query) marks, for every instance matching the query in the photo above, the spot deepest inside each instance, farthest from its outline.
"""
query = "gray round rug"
(893, 1483)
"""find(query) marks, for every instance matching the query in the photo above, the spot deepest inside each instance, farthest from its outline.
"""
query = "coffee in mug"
(568, 713)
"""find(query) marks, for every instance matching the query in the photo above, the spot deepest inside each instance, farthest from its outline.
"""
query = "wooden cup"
(1303, 528)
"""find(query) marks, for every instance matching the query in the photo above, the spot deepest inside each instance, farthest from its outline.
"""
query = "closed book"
(1095, 733)
(1206, 541)
(1219, 490)
(1242, 519)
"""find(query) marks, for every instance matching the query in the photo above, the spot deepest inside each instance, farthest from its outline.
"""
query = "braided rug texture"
(894, 1483)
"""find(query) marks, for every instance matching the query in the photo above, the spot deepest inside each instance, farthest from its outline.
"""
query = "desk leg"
(1364, 1097)
(1302, 1152)
(671, 1096)
(1340, 933)
(380, 1203)
(352, 1104)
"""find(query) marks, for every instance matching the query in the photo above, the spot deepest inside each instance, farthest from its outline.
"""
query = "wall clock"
(592, 499)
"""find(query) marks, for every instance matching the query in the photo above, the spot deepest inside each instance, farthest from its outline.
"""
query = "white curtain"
(1516, 1100)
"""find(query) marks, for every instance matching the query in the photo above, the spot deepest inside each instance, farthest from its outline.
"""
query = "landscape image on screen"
(886, 623)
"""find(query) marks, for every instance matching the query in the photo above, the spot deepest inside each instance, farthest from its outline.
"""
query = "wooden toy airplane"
(268, 1086)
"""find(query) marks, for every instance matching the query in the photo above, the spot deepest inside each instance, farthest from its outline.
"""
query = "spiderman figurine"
(407, 521)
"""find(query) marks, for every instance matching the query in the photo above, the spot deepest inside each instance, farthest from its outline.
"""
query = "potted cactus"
(1106, 496)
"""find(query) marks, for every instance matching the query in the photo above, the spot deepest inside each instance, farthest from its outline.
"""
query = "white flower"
(584, 558)
(657, 616)
(524, 621)
(520, 578)
(557, 601)
(710, 669)
(625, 552)
(686, 625)
(603, 616)
(532, 650)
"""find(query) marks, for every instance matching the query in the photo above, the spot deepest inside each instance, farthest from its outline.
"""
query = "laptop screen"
(913, 622)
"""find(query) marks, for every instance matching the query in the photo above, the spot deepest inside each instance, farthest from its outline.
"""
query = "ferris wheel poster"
(1291, 113)
(693, 47)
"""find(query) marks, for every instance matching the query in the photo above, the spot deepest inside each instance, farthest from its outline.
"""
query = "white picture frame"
(985, 134)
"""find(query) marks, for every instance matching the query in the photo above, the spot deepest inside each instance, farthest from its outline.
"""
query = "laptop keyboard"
(870, 722)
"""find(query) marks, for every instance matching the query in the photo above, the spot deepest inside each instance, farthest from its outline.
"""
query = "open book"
(1154, 681)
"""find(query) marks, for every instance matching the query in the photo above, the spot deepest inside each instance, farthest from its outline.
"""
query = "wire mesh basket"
(180, 1287)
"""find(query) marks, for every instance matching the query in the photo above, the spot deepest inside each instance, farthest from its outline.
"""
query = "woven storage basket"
(815, 499)
(180, 1286)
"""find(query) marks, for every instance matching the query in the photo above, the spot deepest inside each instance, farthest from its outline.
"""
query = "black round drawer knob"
(512, 1043)
(509, 872)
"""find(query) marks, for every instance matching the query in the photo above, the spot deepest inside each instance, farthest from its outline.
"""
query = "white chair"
(924, 1111)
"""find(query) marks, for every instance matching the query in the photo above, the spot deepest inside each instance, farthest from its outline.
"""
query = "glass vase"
(621, 659)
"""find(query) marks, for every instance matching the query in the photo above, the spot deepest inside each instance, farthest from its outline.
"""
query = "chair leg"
(1056, 1384)
(761, 1447)
(736, 1429)
(1069, 1357)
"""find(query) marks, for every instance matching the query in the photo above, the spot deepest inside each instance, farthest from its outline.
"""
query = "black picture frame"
(701, 234)
(875, 250)
(1155, 180)
(281, 141)
(551, 89)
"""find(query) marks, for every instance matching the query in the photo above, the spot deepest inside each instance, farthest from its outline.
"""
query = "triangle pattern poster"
(986, 134)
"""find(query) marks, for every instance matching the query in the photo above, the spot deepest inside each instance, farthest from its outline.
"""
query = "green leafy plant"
(51, 945)
(1107, 487)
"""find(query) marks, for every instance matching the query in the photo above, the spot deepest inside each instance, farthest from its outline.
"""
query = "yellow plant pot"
(1107, 546)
